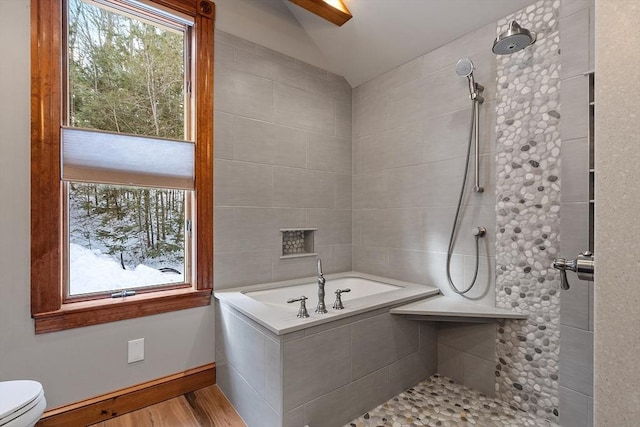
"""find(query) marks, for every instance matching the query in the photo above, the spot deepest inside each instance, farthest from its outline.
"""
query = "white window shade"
(113, 158)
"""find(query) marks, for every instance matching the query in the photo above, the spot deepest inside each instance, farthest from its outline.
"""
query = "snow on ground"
(93, 271)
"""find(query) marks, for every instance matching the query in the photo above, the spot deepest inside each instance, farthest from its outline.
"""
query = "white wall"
(269, 23)
(79, 363)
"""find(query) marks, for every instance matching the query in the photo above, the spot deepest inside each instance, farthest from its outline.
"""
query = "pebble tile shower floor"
(440, 401)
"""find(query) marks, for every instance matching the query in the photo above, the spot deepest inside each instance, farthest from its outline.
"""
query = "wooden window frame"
(47, 304)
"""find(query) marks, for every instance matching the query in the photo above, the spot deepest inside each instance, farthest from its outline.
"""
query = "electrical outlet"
(135, 351)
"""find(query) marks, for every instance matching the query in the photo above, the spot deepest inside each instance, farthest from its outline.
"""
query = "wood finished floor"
(206, 407)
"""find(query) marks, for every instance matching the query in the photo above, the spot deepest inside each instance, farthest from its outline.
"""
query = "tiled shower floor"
(439, 401)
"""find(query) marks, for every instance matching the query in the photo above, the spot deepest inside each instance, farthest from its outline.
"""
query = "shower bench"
(441, 308)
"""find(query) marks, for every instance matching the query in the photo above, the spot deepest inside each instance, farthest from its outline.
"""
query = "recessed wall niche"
(297, 242)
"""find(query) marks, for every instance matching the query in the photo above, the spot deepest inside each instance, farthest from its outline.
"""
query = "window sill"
(88, 313)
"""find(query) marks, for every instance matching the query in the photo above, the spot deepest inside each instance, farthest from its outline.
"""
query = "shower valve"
(479, 231)
(583, 265)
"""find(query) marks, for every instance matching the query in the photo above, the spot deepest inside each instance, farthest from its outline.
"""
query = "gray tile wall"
(282, 160)
(410, 135)
(325, 375)
(576, 304)
(410, 130)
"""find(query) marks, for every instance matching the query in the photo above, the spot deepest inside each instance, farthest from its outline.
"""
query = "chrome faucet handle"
(302, 312)
(338, 304)
(583, 266)
(319, 267)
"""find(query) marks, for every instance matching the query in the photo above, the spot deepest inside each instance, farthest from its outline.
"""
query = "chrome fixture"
(464, 68)
(302, 312)
(513, 40)
(321, 308)
(584, 266)
(338, 304)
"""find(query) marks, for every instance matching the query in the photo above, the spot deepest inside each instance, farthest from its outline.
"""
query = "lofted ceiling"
(382, 34)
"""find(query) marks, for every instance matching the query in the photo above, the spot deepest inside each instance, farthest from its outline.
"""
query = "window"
(122, 147)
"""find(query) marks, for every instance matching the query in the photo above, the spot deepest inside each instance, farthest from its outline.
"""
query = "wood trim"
(325, 10)
(47, 306)
(129, 399)
(88, 313)
(46, 199)
(204, 147)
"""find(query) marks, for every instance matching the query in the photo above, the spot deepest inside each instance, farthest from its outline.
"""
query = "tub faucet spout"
(321, 308)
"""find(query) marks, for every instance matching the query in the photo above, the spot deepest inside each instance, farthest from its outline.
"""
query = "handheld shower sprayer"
(464, 68)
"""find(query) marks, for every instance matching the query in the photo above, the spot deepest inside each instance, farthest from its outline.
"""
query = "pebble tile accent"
(528, 214)
(440, 401)
(293, 242)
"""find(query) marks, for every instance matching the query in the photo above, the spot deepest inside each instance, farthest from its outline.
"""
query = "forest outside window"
(122, 156)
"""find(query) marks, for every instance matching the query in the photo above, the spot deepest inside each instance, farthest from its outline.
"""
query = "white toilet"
(21, 403)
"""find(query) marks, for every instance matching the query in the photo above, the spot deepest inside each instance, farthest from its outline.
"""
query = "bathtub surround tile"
(475, 339)
(440, 401)
(328, 153)
(259, 228)
(575, 230)
(344, 118)
(478, 374)
(236, 42)
(303, 109)
(528, 213)
(278, 145)
(223, 238)
(347, 402)
(303, 189)
(244, 94)
(328, 352)
(272, 373)
(447, 55)
(450, 363)
(293, 268)
(261, 142)
(575, 170)
(265, 66)
(369, 117)
(428, 268)
(246, 351)
(370, 190)
(334, 226)
(343, 191)
(371, 259)
(574, 44)
(575, 108)
(576, 369)
(394, 228)
(223, 136)
(245, 184)
(242, 268)
(253, 409)
(379, 341)
(398, 147)
(573, 310)
(294, 418)
(575, 408)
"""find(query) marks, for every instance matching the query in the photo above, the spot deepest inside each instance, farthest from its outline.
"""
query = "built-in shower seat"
(442, 308)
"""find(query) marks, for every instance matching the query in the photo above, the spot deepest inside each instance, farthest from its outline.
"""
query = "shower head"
(513, 40)
(464, 67)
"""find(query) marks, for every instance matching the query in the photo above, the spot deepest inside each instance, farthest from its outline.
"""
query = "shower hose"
(457, 216)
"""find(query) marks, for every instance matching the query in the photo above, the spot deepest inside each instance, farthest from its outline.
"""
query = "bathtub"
(279, 370)
(267, 304)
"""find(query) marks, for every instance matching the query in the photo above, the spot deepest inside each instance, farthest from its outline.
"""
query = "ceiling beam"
(338, 14)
